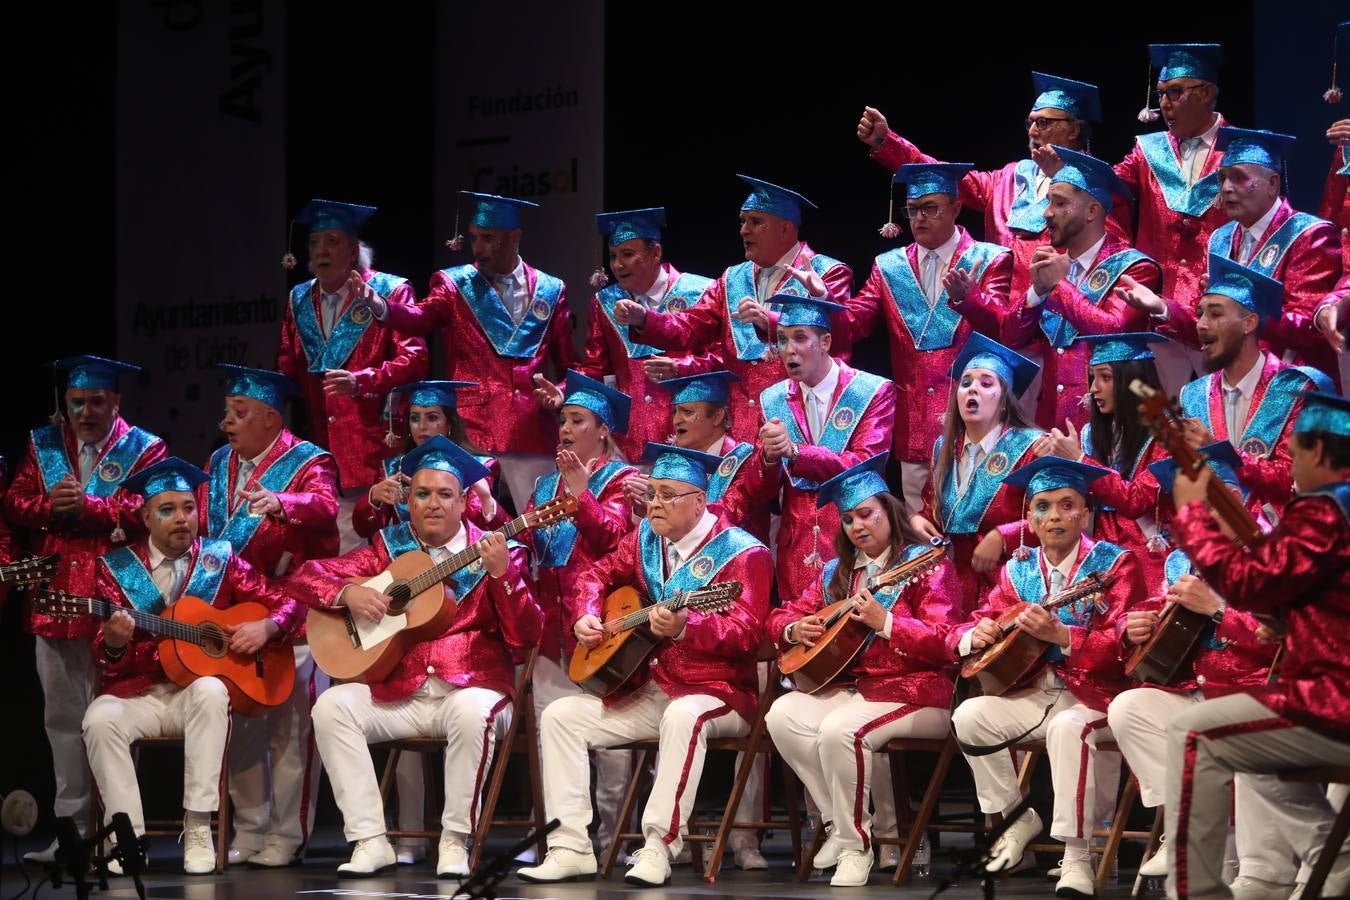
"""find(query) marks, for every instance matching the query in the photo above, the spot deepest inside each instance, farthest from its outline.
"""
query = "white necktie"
(764, 283)
(168, 577)
(88, 456)
(1245, 250)
(672, 559)
(813, 414)
(1190, 153)
(1231, 396)
(1075, 272)
(506, 290)
(870, 574)
(1056, 581)
(930, 279)
(329, 304)
(245, 473)
(1042, 185)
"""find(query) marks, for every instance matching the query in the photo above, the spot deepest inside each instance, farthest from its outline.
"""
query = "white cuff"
(963, 648)
(886, 629)
(1034, 299)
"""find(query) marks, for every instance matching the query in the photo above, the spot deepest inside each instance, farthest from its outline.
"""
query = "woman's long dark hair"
(901, 534)
(1118, 437)
(1010, 416)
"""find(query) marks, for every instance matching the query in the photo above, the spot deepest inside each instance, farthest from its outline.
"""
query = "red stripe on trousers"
(308, 776)
(688, 764)
(483, 761)
(1236, 729)
(860, 790)
(1083, 769)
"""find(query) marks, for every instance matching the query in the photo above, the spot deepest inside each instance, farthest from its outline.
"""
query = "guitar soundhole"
(214, 640)
(400, 596)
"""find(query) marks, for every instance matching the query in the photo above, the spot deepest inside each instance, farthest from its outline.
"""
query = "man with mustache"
(1250, 397)
(1266, 234)
(135, 699)
(1073, 286)
(68, 492)
(274, 498)
(504, 325)
(1014, 197)
(344, 362)
(1064, 700)
(734, 319)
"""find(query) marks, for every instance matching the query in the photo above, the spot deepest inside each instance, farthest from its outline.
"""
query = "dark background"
(694, 93)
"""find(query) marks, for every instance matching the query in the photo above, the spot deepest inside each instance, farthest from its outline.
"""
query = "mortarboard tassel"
(288, 260)
(890, 231)
(391, 440)
(1148, 113)
(599, 278)
(456, 243)
(1333, 94)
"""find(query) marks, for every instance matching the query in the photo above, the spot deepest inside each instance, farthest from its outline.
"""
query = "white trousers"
(347, 720)
(198, 713)
(1206, 745)
(831, 740)
(274, 766)
(520, 471)
(573, 725)
(66, 670)
(1071, 732)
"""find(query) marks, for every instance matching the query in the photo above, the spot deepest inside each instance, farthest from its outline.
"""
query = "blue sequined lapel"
(1274, 247)
(842, 419)
(508, 339)
(683, 294)
(962, 515)
(1163, 163)
(240, 527)
(695, 573)
(1026, 212)
(554, 543)
(117, 462)
(726, 472)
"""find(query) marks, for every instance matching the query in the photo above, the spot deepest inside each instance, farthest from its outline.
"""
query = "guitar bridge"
(352, 634)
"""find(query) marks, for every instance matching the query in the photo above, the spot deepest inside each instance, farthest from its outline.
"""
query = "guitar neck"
(640, 617)
(1092, 584)
(145, 621)
(452, 564)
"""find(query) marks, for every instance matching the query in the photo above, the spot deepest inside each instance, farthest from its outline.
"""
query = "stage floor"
(316, 878)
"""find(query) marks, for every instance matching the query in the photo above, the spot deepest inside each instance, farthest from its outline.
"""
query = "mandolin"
(814, 667)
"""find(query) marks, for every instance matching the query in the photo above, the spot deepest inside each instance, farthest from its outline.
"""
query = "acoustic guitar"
(353, 648)
(194, 642)
(1011, 658)
(1168, 651)
(603, 669)
(30, 571)
(814, 667)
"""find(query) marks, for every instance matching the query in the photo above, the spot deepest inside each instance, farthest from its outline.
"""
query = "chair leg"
(625, 813)
(1335, 840)
(1118, 825)
(927, 806)
(223, 820)
(387, 778)
(804, 866)
(488, 810)
(433, 783)
(794, 812)
(743, 773)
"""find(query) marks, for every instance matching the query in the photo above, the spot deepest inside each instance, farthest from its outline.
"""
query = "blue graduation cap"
(1323, 412)
(169, 474)
(610, 405)
(980, 352)
(443, 454)
(1199, 61)
(798, 310)
(1254, 145)
(774, 200)
(618, 227)
(1129, 347)
(433, 393)
(922, 179)
(680, 464)
(1050, 473)
(707, 387)
(92, 372)
(270, 387)
(491, 211)
(1077, 98)
(333, 215)
(851, 487)
(1258, 293)
(1220, 456)
(1088, 173)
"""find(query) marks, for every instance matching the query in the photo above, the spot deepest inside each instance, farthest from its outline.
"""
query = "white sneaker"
(199, 850)
(1008, 850)
(452, 858)
(651, 868)
(1076, 879)
(1156, 865)
(370, 856)
(890, 858)
(1245, 887)
(561, 864)
(239, 855)
(410, 851)
(828, 854)
(273, 856)
(853, 868)
(43, 857)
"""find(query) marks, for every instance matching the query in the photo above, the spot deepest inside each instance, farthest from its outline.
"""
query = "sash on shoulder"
(1095, 285)
(930, 328)
(240, 527)
(508, 339)
(1273, 249)
(962, 515)
(554, 543)
(1031, 587)
(1026, 212)
(1162, 162)
(726, 472)
(686, 291)
(841, 422)
(49, 446)
(695, 573)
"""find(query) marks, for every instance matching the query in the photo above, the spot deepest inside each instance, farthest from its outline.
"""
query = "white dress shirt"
(818, 399)
(652, 297)
(330, 308)
(510, 287)
(1246, 387)
(966, 464)
(163, 575)
(1250, 238)
(768, 277)
(1195, 152)
(944, 262)
(86, 460)
(1065, 569)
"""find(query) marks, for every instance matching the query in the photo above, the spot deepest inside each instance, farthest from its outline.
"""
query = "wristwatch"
(1217, 616)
